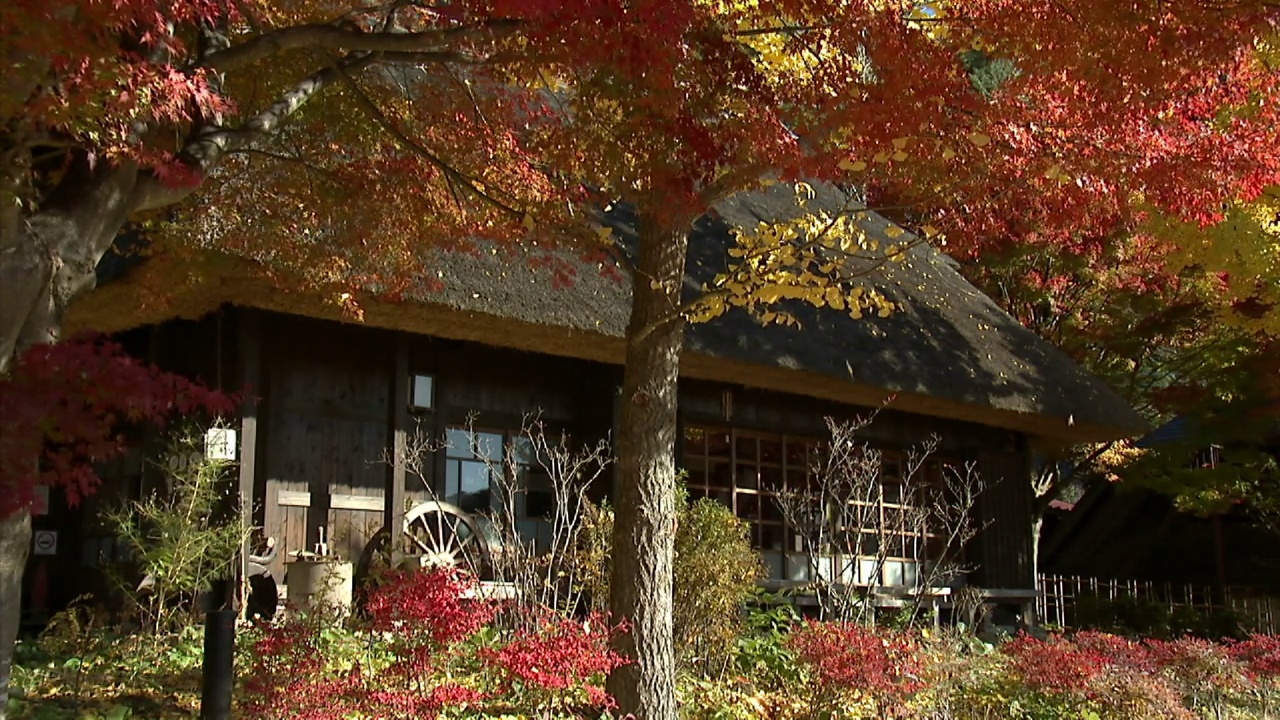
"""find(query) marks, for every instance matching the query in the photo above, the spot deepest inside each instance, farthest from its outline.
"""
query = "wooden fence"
(1059, 599)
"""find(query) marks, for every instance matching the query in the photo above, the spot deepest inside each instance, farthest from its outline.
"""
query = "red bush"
(848, 656)
(1260, 655)
(1119, 652)
(1054, 665)
(430, 606)
(421, 620)
(564, 654)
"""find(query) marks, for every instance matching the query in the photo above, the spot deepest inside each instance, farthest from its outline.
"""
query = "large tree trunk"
(45, 261)
(15, 539)
(645, 524)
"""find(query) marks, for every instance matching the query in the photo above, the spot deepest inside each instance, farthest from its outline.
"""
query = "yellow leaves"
(528, 223)
(817, 259)
(948, 153)
(604, 234)
(893, 232)
(978, 139)
(1055, 173)
(853, 165)
(1244, 248)
(804, 193)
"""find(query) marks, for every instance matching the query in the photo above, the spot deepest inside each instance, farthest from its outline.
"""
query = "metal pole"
(217, 674)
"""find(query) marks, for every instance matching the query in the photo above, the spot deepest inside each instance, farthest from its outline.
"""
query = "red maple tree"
(333, 141)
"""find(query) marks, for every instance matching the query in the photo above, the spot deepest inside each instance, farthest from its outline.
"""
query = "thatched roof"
(948, 351)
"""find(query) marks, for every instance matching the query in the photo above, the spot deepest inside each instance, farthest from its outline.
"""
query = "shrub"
(563, 655)
(851, 665)
(180, 539)
(1055, 665)
(425, 651)
(716, 571)
(763, 652)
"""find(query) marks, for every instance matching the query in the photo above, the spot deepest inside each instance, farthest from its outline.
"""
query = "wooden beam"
(398, 423)
(249, 346)
(337, 501)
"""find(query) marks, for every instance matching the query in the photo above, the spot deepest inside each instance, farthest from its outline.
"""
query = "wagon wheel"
(440, 535)
(434, 534)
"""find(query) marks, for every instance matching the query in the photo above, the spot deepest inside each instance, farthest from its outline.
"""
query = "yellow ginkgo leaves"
(818, 259)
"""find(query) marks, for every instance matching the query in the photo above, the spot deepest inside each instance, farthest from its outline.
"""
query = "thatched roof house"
(949, 351)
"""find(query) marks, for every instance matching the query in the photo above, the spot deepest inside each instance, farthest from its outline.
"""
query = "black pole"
(217, 673)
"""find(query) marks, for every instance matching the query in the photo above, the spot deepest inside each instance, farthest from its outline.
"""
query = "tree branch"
(334, 38)
(207, 149)
(451, 173)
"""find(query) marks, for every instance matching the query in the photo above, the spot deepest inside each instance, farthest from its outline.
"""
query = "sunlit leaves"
(818, 258)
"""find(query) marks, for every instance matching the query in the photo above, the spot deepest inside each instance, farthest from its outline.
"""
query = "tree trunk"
(644, 497)
(15, 539)
(45, 261)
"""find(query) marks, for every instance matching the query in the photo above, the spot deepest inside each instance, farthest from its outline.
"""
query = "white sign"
(220, 444)
(46, 542)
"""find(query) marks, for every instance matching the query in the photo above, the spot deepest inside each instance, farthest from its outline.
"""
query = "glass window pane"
(797, 458)
(696, 476)
(488, 446)
(459, 443)
(771, 478)
(748, 476)
(718, 443)
(473, 488)
(746, 448)
(748, 507)
(450, 480)
(770, 537)
(771, 450)
(522, 449)
(719, 476)
(421, 392)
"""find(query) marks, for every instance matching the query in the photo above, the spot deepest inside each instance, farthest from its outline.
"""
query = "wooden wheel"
(440, 535)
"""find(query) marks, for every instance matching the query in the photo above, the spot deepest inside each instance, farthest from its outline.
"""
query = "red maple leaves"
(67, 407)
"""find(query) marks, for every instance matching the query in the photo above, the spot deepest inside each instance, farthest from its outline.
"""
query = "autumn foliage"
(430, 649)
(70, 406)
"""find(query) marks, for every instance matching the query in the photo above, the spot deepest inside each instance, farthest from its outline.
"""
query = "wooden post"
(250, 352)
(398, 422)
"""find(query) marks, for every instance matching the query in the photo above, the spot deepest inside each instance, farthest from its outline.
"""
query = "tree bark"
(15, 539)
(644, 496)
(45, 261)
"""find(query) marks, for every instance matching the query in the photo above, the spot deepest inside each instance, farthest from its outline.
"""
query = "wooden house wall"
(1001, 555)
(327, 395)
(325, 442)
(327, 416)
(1004, 551)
